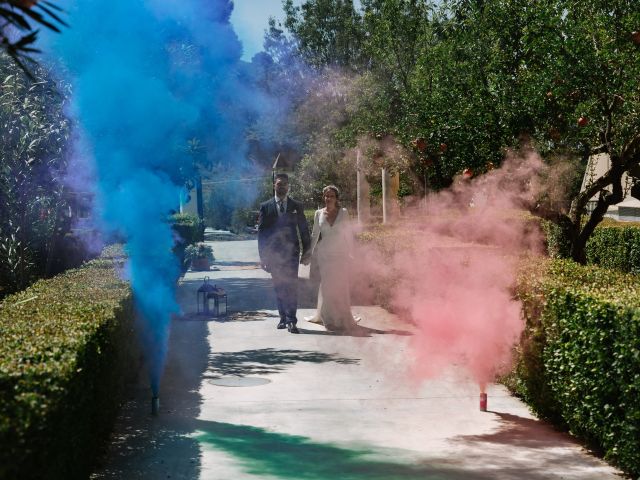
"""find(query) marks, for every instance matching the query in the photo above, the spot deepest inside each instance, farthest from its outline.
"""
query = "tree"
(17, 34)
(594, 102)
(472, 78)
(33, 159)
(327, 32)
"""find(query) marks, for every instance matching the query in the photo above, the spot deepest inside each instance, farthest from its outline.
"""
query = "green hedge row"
(189, 229)
(612, 245)
(579, 363)
(64, 345)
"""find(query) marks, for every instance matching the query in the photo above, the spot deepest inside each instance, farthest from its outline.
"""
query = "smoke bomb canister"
(483, 402)
(155, 405)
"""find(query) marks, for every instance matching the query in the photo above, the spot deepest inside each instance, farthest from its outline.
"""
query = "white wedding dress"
(332, 246)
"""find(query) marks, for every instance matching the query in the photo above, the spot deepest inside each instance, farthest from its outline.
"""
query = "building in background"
(626, 211)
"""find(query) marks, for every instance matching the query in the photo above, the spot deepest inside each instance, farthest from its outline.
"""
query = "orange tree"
(469, 78)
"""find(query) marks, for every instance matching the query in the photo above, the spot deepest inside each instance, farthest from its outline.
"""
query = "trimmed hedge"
(189, 229)
(65, 343)
(612, 245)
(615, 246)
(579, 363)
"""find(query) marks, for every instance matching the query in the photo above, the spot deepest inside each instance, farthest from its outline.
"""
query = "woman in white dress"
(331, 243)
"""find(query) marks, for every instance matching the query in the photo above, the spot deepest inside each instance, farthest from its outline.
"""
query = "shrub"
(34, 141)
(309, 215)
(615, 246)
(198, 250)
(65, 344)
(189, 229)
(612, 245)
(243, 218)
(580, 354)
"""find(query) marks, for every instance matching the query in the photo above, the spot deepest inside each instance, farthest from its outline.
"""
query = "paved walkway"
(242, 400)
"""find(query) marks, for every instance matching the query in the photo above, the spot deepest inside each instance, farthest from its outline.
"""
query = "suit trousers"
(285, 284)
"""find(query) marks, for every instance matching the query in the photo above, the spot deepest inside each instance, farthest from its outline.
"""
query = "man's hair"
(284, 176)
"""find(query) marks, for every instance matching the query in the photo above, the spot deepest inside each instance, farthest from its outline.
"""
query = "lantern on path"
(203, 293)
(208, 292)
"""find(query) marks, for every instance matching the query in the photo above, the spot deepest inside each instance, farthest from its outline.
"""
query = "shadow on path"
(283, 456)
(236, 263)
(246, 294)
(534, 438)
(515, 430)
(145, 447)
(361, 331)
(265, 361)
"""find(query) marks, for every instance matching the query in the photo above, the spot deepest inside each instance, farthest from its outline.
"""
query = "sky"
(250, 19)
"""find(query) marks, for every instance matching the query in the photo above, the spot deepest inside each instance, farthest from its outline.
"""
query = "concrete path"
(242, 400)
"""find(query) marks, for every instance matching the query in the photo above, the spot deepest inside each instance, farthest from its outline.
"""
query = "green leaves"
(34, 136)
(17, 14)
(65, 343)
(581, 358)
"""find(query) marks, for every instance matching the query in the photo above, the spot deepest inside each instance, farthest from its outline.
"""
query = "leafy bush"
(580, 355)
(309, 215)
(34, 141)
(558, 245)
(243, 218)
(612, 245)
(189, 229)
(198, 250)
(615, 246)
(66, 345)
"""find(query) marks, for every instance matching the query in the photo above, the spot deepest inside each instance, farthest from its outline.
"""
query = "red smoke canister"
(483, 402)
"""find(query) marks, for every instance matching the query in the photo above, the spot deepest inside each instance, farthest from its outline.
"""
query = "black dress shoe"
(292, 328)
(282, 325)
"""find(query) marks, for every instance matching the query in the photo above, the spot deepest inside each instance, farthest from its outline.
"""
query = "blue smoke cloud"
(147, 77)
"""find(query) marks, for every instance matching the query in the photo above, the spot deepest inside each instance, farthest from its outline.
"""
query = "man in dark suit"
(281, 220)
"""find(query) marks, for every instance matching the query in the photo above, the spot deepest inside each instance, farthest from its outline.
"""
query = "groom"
(281, 219)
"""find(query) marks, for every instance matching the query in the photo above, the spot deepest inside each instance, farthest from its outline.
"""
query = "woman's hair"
(333, 188)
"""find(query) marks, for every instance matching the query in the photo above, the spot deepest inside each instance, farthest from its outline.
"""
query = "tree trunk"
(605, 200)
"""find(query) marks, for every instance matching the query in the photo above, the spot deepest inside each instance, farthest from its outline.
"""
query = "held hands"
(305, 259)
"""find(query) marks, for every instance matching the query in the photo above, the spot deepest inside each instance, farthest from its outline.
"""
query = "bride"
(331, 243)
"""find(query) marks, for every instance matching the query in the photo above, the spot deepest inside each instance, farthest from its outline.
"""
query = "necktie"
(281, 203)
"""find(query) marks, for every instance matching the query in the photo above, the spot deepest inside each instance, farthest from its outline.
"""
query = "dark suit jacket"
(278, 243)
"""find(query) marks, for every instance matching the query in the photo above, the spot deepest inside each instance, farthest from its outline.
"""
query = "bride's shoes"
(315, 320)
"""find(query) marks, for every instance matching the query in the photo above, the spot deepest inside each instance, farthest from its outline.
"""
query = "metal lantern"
(207, 292)
(203, 296)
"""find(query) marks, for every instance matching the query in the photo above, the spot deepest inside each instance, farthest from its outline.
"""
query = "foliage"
(189, 229)
(17, 15)
(243, 218)
(310, 215)
(614, 245)
(197, 251)
(328, 31)
(66, 348)
(227, 195)
(580, 358)
(472, 79)
(34, 141)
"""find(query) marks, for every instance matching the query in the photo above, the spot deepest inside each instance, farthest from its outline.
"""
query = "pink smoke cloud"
(455, 281)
